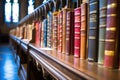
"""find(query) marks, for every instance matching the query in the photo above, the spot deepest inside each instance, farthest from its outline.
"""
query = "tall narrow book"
(112, 41)
(49, 29)
(65, 10)
(37, 36)
(77, 27)
(54, 28)
(93, 31)
(45, 33)
(83, 35)
(102, 29)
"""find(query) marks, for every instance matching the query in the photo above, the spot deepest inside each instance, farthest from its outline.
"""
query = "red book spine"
(77, 26)
(37, 37)
(112, 34)
(60, 31)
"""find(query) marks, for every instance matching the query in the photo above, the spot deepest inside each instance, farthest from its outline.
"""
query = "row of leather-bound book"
(89, 31)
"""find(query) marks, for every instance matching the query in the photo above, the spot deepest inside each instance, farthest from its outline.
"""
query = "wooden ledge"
(73, 68)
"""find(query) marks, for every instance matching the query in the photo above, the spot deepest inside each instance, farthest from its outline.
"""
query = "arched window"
(8, 11)
(11, 11)
(31, 6)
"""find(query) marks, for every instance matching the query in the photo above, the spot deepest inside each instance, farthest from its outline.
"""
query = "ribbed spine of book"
(93, 31)
(40, 30)
(60, 30)
(77, 27)
(83, 31)
(45, 32)
(37, 35)
(112, 41)
(102, 29)
(55, 25)
(71, 32)
(65, 10)
(68, 28)
(49, 30)
(42, 34)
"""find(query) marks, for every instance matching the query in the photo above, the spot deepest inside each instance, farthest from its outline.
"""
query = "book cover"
(111, 59)
(102, 29)
(49, 29)
(83, 35)
(54, 29)
(93, 30)
(77, 27)
(64, 32)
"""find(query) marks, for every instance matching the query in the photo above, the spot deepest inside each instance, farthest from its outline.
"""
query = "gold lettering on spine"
(111, 15)
(111, 29)
(109, 53)
(109, 40)
(113, 5)
(92, 37)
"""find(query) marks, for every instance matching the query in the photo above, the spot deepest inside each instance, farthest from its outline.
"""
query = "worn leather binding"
(49, 30)
(112, 40)
(60, 26)
(77, 27)
(45, 32)
(93, 31)
(65, 10)
(102, 29)
(83, 35)
(68, 33)
(54, 29)
(42, 34)
(37, 35)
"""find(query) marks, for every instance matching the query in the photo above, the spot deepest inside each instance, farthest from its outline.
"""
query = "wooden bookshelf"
(62, 66)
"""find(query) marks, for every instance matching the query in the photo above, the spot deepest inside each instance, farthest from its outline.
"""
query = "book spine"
(49, 30)
(83, 30)
(45, 32)
(112, 34)
(72, 32)
(68, 33)
(42, 34)
(40, 30)
(93, 31)
(77, 27)
(37, 37)
(64, 30)
(60, 31)
(55, 24)
(102, 30)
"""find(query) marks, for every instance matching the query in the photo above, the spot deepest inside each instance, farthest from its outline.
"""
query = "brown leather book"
(60, 30)
(112, 41)
(65, 10)
(83, 35)
(54, 29)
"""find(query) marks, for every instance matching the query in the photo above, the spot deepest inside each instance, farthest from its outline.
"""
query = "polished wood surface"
(69, 67)
(89, 70)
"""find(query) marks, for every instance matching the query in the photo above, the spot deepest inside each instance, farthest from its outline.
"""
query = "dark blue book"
(93, 30)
